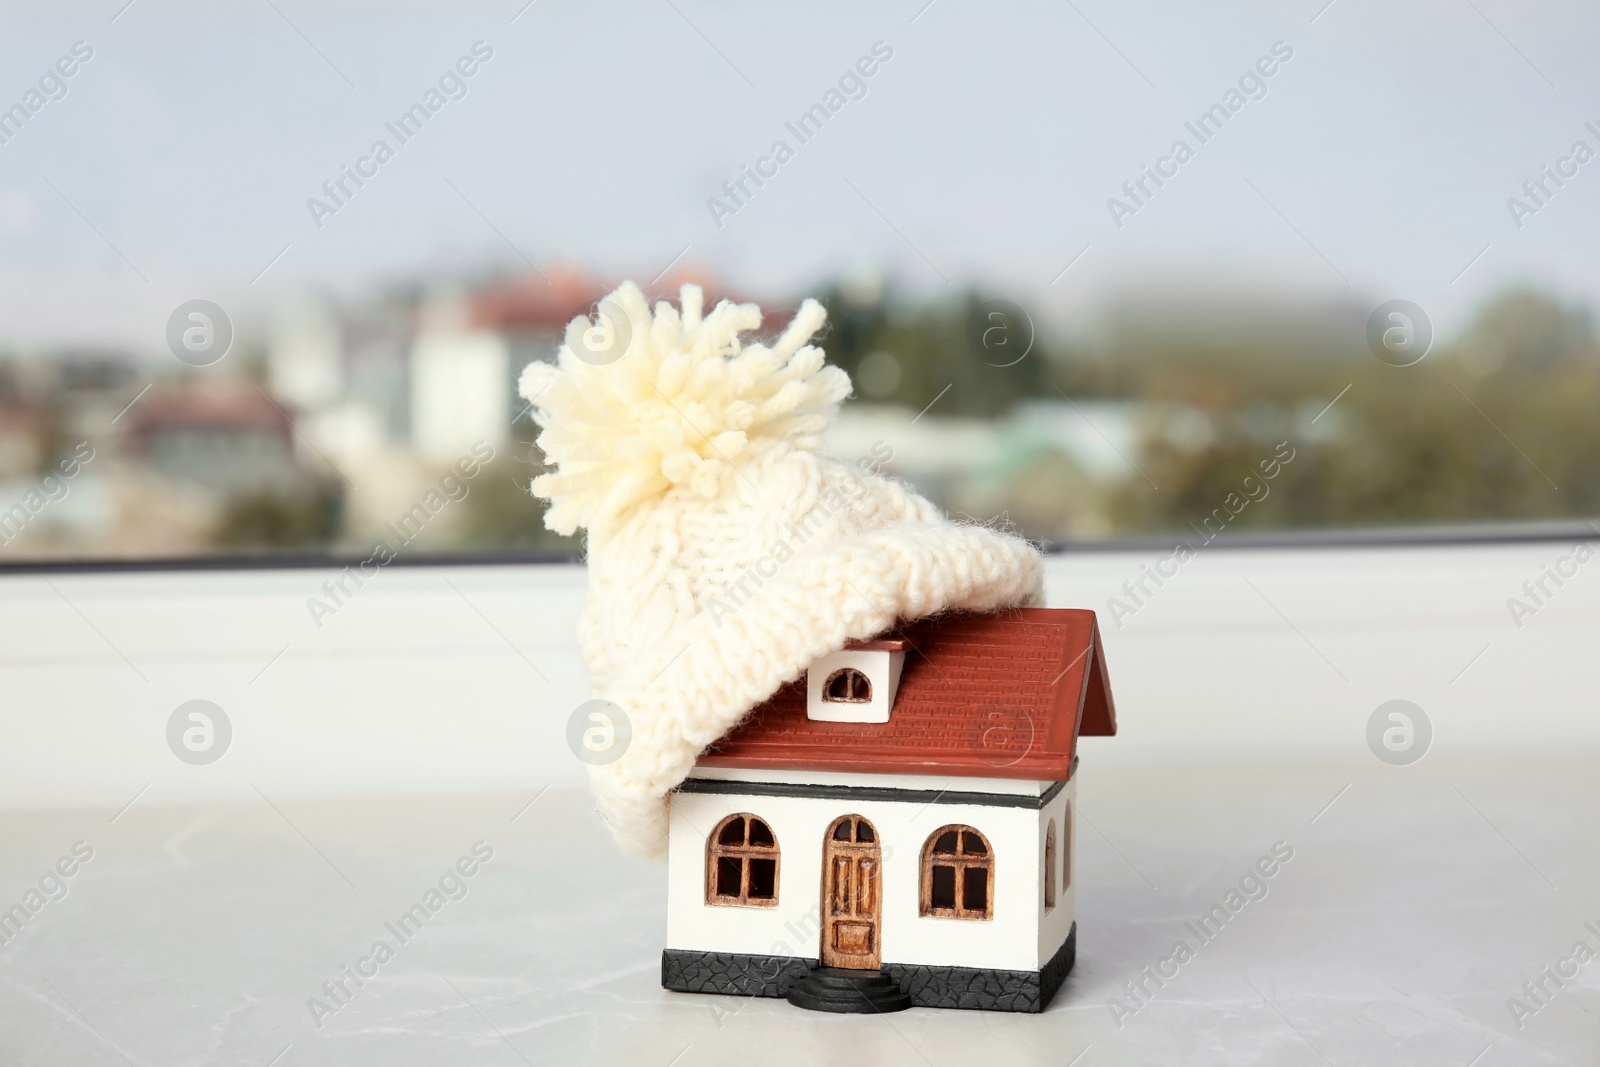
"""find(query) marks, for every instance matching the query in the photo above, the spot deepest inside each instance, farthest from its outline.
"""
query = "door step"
(848, 991)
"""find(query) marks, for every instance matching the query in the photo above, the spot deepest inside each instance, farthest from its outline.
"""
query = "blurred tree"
(979, 354)
(1500, 425)
(501, 514)
(307, 520)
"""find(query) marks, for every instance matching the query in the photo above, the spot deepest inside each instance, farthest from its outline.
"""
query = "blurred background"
(1270, 275)
(1054, 316)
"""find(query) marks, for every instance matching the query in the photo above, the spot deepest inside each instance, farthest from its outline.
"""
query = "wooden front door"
(852, 895)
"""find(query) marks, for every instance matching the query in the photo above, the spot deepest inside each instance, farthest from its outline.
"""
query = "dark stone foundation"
(732, 973)
(739, 974)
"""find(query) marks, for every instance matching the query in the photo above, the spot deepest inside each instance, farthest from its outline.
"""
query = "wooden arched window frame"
(847, 686)
(742, 863)
(1050, 865)
(957, 874)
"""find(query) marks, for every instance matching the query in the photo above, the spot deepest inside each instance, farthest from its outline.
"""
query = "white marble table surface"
(1415, 907)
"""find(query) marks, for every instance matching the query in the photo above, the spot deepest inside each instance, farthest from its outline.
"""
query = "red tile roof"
(213, 406)
(544, 303)
(994, 696)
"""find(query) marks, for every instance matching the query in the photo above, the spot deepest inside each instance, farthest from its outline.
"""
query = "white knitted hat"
(725, 553)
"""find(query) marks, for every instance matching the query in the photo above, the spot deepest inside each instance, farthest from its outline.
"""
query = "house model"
(895, 827)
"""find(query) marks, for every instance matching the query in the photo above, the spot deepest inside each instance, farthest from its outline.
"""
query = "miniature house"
(895, 828)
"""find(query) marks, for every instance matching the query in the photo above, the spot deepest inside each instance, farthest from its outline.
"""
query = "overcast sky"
(1377, 165)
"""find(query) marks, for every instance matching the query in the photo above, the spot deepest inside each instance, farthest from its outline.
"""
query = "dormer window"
(847, 686)
(856, 683)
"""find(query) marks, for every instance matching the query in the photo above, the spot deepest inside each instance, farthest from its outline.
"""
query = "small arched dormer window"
(742, 863)
(958, 874)
(847, 686)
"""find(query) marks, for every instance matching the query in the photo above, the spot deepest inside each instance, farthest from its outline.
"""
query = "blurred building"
(23, 438)
(224, 436)
(532, 311)
(1050, 466)
(461, 383)
(352, 415)
(94, 383)
(305, 362)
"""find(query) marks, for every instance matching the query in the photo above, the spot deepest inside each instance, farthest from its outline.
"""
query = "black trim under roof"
(854, 793)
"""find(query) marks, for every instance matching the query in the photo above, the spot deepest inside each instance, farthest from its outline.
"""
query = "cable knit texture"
(725, 553)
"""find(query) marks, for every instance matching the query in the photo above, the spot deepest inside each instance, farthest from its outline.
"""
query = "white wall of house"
(1056, 923)
(1011, 940)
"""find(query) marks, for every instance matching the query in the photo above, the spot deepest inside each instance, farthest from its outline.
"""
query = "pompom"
(638, 403)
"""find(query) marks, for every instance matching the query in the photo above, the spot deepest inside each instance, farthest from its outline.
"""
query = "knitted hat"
(725, 552)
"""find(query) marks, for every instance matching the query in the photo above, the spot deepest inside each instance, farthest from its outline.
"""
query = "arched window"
(957, 874)
(1050, 865)
(742, 863)
(1066, 849)
(847, 686)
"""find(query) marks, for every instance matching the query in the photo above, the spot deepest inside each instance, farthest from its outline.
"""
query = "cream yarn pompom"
(725, 552)
(681, 405)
